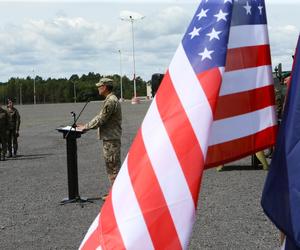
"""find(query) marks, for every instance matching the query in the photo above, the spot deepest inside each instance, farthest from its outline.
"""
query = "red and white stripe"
(244, 121)
(153, 200)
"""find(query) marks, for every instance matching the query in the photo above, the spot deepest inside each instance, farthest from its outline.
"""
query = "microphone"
(73, 114)
(87, 96)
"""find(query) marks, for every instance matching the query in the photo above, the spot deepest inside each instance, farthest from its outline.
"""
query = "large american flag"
(153, 200)
(244, 121)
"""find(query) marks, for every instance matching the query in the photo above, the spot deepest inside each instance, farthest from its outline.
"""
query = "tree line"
(65, 90)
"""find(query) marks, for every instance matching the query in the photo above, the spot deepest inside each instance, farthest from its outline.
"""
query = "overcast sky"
(61, 38)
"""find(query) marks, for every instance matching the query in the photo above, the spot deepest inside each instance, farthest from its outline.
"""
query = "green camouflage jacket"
(14, 119)
(109, 119)
(3, 120)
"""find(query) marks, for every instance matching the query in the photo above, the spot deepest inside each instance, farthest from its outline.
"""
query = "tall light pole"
(20, 83)
(121, 83)
(134, 100)
(34, 94)
(132, 18)
(74, 86)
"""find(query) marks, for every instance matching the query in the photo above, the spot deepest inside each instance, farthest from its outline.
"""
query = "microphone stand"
(76, 119)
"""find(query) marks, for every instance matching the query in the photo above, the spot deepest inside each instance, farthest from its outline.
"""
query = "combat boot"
(112, 178)
(104, 197)
(9, 154)
(2, 157)
(220, 168)
(15, 153)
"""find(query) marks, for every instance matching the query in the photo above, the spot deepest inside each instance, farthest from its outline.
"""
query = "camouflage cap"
(104, 81)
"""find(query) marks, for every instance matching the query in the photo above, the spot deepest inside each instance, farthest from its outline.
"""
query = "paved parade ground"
(229, 215)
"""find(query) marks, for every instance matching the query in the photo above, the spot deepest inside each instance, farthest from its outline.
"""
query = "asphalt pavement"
(229, 215)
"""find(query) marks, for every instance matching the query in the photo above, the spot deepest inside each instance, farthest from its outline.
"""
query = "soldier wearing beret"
(3, 132)
(108, 122)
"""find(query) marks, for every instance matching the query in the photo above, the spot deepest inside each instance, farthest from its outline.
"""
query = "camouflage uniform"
(3, 132)
(108, 122)
(13, 130)
(280, 92)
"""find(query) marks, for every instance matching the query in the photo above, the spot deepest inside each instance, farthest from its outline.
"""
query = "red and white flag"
(244, 121)
(153, 201)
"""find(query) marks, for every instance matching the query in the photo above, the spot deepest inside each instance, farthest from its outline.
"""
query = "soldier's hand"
(17, 133)
(81, 127)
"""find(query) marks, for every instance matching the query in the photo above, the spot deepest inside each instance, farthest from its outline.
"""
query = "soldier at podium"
(108, 122)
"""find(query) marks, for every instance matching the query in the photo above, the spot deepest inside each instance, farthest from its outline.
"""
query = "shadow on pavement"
(239, 168)
(28, 157)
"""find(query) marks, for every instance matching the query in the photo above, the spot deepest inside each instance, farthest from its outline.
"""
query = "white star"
(260, 9)
(221, 16)
(195, 32)
(248, 8)
(202, 13)
(214, 34)
(206, 54)
(229, 1)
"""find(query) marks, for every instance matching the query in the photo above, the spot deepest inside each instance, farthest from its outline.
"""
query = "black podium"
(71, 135)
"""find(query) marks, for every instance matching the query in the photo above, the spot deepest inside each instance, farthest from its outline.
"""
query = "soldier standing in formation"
(108, 122)
(13, 128)
(3, 132)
